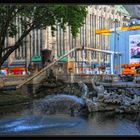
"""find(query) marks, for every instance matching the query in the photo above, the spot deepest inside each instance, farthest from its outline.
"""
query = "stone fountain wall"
(117, 100)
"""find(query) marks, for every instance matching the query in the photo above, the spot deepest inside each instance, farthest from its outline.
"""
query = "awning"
(36, 58)
(63, 60)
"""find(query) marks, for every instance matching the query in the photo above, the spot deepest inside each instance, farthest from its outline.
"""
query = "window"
(100, 22)
(41, 39)
(37, 40)
(33, 42)
(96, 6)
(90, 30)
(119, 13)
(83, 35)
(60, 41)
(113, 11)
(100, 27)
(70, 38)
(94, 35)
(104, 9)
(57, 40)
(19, 33)
(124, 24)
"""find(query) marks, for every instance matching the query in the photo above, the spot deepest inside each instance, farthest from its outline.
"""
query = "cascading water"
(58, 104)
(84, 89)
(40, 123)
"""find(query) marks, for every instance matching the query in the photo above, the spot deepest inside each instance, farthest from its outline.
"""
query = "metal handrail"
(51, 64)
(45, 68)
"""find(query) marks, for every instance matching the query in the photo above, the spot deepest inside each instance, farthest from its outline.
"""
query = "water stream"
(37, 120)
(62, 124)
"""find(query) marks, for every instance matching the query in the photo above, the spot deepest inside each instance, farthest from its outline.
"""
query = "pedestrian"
(29, 68)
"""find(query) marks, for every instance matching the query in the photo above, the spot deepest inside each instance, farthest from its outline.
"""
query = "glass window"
(33, 42)
(90, 30)
(37, 47)
(96, 6)
(104, 9)
(57, 40)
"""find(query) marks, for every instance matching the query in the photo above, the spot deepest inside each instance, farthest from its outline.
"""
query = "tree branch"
(9, 47)
(10, 17)
(17, 44)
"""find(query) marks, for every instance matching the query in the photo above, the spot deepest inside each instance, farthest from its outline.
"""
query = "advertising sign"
(134, 48)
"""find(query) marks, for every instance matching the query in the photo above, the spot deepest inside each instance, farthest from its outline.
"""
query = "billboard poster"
(134, 48)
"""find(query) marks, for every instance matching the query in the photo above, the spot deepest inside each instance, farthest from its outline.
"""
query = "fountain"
(98, 88)
(96, 100)
(84, 89)
(39, 119)
(61, 103)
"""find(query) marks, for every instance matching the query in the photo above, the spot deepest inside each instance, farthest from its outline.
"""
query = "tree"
(38, 17)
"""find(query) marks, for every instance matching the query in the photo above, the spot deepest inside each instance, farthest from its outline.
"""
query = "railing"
(87, 77)
(45, 68)
(34, 77)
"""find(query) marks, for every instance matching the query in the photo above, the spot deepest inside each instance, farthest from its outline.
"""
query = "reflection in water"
(94, 124)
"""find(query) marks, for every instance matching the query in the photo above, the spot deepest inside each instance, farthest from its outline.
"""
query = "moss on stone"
(12, 97)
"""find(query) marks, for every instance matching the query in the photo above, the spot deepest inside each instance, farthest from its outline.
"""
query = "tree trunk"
(0, 57)
(0, 62)
(11, 49)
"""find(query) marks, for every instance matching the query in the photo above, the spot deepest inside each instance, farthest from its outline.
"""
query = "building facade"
(98, 17)
(128, 44)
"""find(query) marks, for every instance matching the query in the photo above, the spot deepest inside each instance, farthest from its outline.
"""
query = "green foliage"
(40, 16)
(30, 17)
(12, 30)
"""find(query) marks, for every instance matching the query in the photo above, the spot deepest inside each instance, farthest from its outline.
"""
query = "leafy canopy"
(36, 17)
(40, 16)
